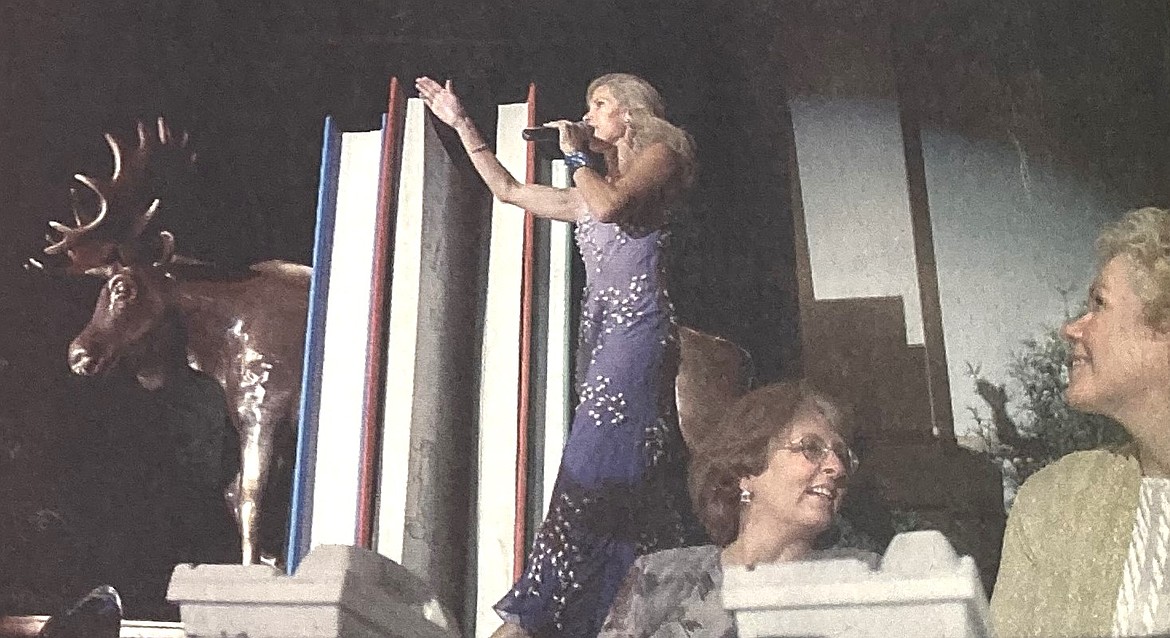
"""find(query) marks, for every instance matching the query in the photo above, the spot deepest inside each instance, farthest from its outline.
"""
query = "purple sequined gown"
(621, 490)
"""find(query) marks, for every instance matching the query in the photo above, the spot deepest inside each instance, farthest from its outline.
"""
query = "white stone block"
(338, 591)
(921, 589)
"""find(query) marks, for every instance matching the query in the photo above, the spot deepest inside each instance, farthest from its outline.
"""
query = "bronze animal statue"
(158, 313)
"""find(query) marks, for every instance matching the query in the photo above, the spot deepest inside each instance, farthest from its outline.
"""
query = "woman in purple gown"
(621, 490)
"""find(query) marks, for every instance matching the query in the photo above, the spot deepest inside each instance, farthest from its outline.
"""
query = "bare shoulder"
(655, 171)
(659, 154)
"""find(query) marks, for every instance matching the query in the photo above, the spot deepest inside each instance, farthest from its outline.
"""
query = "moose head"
(135, 322)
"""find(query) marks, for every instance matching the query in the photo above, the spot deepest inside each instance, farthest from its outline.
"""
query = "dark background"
(86, 466)
(252, 84)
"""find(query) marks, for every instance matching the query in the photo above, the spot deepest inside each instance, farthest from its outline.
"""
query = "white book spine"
(558, 390)
(339, 439)
(499, 382)
(401, 346)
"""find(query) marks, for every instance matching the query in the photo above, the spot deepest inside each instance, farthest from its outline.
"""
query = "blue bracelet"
(576, 159)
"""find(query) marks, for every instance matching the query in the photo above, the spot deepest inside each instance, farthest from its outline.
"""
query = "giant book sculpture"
(446, 317)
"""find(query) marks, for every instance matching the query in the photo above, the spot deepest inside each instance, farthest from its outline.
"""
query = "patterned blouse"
(676, 594)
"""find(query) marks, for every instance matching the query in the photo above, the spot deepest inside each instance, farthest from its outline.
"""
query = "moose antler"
(126, 200)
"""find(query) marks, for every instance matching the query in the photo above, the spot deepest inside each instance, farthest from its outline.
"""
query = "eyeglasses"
(816, 450)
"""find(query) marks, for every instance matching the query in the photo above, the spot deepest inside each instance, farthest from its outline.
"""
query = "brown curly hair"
(742, 445)
(1143, 235)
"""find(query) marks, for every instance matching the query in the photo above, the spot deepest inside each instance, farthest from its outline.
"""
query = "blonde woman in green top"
(1086, 546)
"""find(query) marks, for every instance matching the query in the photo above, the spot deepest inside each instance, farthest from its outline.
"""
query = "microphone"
(544, 133)
(541, 134)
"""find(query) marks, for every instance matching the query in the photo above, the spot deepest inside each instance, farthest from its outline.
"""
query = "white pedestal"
(921, 589)
(337, 591)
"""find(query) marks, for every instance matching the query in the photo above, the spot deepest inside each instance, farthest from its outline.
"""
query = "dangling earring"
(745, 495)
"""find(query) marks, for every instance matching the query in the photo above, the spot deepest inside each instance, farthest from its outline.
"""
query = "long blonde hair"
(647, 123)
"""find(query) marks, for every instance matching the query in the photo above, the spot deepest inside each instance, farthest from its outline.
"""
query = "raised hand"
(441, 100)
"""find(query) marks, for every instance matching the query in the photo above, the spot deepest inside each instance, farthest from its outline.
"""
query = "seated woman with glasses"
(767, 488)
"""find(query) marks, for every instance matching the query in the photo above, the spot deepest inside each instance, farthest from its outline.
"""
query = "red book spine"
(392, 132)
(525, 354)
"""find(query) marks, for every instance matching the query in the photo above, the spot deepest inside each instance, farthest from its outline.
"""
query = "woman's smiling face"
(1118, 362)
(795, 491)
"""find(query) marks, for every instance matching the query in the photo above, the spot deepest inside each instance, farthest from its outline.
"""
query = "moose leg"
(255, 421)
(255, 456)
(244, 495)
(257, 409)
(231, 494)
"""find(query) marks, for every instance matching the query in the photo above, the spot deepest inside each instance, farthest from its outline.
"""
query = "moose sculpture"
(158, 313)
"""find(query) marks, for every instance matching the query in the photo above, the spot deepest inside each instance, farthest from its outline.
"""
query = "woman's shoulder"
(662, 160)
(671, 593)
(1081, 482)
(680, 558)
(1080, 470)
(674, 578)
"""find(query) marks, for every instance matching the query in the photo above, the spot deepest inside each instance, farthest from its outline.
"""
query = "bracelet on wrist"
(576, 159)
(481, 147)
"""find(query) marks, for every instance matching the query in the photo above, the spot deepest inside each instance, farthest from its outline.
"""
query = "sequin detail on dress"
(621, 489)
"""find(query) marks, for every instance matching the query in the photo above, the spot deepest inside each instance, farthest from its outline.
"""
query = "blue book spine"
(301, 508)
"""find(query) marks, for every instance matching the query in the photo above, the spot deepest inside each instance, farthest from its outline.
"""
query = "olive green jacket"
(1065, 547)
